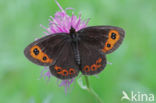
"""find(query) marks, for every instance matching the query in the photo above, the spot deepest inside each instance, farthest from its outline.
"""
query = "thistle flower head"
(45, 73)
(62, 23)
(66, 84)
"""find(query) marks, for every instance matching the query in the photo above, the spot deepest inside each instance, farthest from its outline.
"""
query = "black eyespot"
(36, 51)
(113, 36)
(44, 58)
(58, 70)
(108, 45)
(65, 72)
(71, 71)
(86, 68)
(93, 68)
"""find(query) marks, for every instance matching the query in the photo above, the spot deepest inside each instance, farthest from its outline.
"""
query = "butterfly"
(67, 54)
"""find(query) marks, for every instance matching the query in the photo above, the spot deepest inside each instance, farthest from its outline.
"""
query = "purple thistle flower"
(66, 84)
(46, 74)
(62, 22)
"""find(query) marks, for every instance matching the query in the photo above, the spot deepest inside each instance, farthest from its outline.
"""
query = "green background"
(133, 64)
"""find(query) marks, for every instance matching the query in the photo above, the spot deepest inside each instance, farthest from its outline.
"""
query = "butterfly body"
(74, 42)
(67, 54)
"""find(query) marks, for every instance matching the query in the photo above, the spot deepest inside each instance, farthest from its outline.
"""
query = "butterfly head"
(72, 30)
(73, 33)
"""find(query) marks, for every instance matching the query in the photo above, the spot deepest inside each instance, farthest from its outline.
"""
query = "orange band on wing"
(93, 67)
(72, 71)
(113, 37)
(86, 68)
(58, 69)
(98, 63)
(37, 53)
(64, 72)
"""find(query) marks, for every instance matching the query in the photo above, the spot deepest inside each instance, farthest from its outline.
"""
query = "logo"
(137, 97)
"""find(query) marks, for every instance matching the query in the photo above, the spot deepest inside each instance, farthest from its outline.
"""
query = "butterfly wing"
(93, 61)
(94, 43)
(45, 51)
(65, 66)
(105, 38)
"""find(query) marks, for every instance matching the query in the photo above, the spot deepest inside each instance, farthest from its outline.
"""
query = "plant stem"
(91, 91)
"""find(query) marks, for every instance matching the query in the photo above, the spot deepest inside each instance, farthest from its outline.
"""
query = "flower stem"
(91, 91)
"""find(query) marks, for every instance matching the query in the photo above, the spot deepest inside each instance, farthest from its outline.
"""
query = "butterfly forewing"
(105, 38)
(65, 67)
(45, 51)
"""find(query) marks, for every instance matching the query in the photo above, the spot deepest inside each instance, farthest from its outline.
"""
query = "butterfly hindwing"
(65, 66)
(93, 61)
(105, 38)
(45, 51)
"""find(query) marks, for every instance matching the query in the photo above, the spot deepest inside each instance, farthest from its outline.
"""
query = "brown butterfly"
(84, 50)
